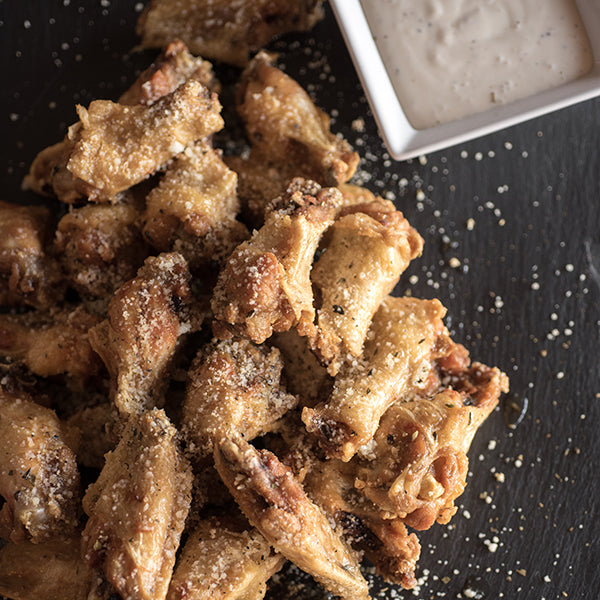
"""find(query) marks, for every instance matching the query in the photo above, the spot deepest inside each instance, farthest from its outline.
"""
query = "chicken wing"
(100, 246)
(224, 30)
(405, 337)
(118, 146)
(222, 560)
(172, 68)
(234, 389)
(290, 137)
(139, 337)
(28, 275)
(368, 248)
(52, 343)
(265, 285)
(39, 480)
(421, 458)
(275, 503)
(193, 209)
(137, 509)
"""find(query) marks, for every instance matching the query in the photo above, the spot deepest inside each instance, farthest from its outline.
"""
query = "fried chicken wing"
(137, 509)
(39, 480)
(139, 337)
(382, 537)
(421, 458)
(28, 275)
(100, 246)
(404, 339)
(117, 146)
(52, 343)
(265, 285)
(193, 209)
(290, 137)
(49, 570)
(369, 246)
(223, 561)
(225, 30)
(172, 68)
(275, 503)
(234, 389)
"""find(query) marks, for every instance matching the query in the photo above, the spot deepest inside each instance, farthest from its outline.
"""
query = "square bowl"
(403, 140)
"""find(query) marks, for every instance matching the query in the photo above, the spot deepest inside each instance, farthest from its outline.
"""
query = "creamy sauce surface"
(448, 59)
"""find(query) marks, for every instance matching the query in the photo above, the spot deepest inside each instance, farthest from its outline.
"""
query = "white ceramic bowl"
(403, 140)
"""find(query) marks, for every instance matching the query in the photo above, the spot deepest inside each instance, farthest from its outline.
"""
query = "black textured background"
(525, 296)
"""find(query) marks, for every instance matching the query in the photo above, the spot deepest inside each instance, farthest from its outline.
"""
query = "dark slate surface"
(525, 296)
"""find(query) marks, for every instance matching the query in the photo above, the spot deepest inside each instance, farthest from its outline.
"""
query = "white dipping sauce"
(448, 59)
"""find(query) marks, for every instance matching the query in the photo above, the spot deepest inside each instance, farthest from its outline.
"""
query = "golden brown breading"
(117, 146)
(194, 206)
(234, 389)
(39, 480)
(137, 509)
(27, 274)
(265, 285)
(222, 560)
(100, 246)
(139, 337)
(368, 247)
(275, 503)
(52, 343)
(99, 426)
(49, 570)
(290, 138)
(172, 68)
(405, 337)
(225, 30)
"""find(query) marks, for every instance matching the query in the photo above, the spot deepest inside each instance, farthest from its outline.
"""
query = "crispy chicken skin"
(405, 338)
(100, 246)
(138, 338)
(382, 537)
(117, 146)
(172, 68)
(223, 560)
(28, 275)
(49, 570)
(411, 473)
(49, 174)
(369, 246)
(225, 30)
(137, 509)
(39, 480)
(193, 208)
(275, 503)
(234, 389)
(51, 343)
(421, 458)
(290, 137)
(265, 285)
